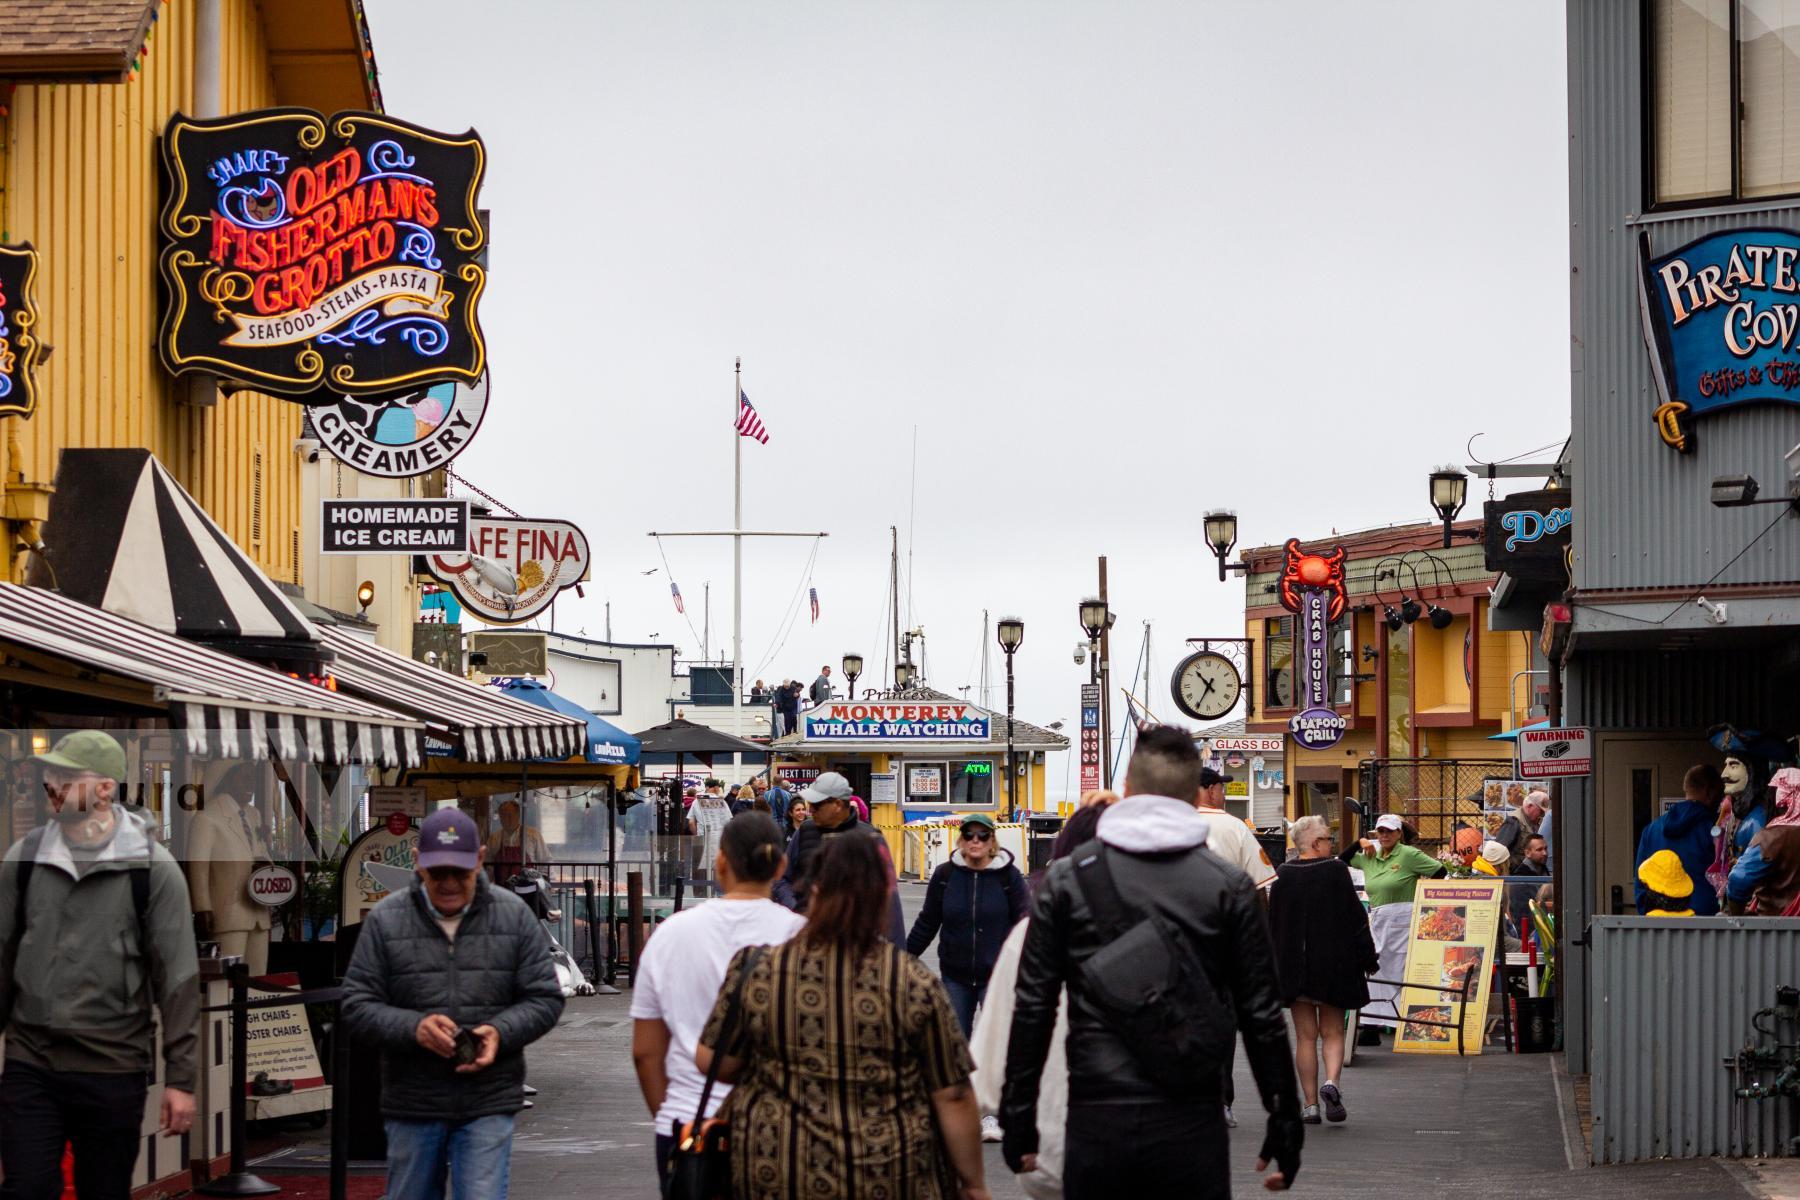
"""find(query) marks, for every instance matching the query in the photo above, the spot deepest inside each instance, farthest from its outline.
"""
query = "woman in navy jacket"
(973, 901)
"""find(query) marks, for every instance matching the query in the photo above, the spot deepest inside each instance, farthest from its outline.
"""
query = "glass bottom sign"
(1555, 753)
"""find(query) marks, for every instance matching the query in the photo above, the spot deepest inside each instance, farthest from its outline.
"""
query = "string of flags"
(675, 591)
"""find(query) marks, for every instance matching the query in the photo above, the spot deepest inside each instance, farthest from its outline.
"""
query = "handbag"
(700, 1164)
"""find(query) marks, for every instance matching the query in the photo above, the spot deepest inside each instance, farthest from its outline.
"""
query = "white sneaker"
(990, 1129)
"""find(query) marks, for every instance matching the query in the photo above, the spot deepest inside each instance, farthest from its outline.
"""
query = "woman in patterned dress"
(850, 1061)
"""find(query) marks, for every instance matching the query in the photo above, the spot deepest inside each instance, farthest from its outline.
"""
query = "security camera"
(307, 448)
(1714, 612)
(1080, 653)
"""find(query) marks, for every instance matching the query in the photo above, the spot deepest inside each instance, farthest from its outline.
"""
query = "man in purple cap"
(452, 979)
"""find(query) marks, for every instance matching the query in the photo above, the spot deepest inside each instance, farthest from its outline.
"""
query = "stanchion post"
(634, 920)
(603, 971)
(238, 1181)
(340, 1106)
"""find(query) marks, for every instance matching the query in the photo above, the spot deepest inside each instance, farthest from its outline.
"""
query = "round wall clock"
(1207, 685)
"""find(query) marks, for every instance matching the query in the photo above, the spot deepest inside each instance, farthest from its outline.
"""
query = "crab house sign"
(1312, 588)
(321, 258)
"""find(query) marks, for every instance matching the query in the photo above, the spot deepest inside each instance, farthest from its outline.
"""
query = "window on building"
(956, 784)
(1711, 61)
(1399, 692)
(1278, 634)
(1343, 661)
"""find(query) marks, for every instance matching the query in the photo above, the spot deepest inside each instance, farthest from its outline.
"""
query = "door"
(858, 773)
(1635, 774)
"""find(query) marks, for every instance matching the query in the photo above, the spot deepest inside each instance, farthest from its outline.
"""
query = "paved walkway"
(1419, 1126)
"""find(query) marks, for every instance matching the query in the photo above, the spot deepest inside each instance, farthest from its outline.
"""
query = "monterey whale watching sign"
(896, 721)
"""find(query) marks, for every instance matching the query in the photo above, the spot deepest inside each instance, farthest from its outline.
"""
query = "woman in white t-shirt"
(684, 964)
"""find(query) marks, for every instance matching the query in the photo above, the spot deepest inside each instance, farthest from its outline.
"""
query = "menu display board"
(1455, 927)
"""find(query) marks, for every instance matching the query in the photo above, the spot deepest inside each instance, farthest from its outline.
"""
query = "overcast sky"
(1115, 263)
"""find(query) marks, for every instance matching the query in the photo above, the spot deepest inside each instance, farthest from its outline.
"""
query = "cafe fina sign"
(322, 258)
(515, 566)
(896, 721)
(1721, 318)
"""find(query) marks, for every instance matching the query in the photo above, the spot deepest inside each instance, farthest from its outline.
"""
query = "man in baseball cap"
(833, 816)
(453, 1078)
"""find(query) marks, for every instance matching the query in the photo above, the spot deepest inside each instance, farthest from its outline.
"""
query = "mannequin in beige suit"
(225, 844)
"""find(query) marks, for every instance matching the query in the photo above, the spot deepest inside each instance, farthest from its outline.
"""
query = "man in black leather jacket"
(1126, 1131)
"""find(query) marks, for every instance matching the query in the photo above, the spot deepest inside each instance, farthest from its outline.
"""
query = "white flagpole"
(737, 570)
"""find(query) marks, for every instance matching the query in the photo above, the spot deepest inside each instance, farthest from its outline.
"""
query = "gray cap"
(829, 786)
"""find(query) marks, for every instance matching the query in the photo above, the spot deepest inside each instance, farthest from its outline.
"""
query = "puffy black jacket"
(790, 891)
(970, 912)
(1215, 905)
(497, 972)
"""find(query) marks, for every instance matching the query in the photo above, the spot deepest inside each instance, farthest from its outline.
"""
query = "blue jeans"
(474, 1157)
(964, 1000)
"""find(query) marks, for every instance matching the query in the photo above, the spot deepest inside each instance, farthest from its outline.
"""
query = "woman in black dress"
(1323, 951)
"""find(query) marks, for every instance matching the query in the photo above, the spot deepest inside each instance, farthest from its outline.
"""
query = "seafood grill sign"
(20, 349)
(1721, 317)
(320, 258)
(514, 567)
(895, 721)
(1311, 586)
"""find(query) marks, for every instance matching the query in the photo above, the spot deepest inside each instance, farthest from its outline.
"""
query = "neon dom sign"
(322, 258)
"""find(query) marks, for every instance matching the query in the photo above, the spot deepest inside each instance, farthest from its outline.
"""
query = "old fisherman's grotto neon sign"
(1721, 318)
(320, 258)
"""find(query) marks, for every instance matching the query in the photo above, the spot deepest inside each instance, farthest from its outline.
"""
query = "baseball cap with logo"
(87, 750)
(829, 786)
(1390, 821)
(448, 839)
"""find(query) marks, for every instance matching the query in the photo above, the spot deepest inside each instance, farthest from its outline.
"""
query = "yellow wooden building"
(86, 87)
(1433, 690)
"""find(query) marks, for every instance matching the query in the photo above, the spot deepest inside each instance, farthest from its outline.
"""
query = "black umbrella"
(685, 737)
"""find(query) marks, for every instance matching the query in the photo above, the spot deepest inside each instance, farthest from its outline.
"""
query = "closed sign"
(271, 885)
(1555, 753)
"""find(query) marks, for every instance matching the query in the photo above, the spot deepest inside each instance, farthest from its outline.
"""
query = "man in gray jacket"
(452, 979)
(95, 927)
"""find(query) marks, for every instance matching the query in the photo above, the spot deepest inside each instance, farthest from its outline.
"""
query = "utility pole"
(1106, 771)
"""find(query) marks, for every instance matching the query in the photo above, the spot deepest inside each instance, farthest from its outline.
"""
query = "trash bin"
(1274, 844)
(1041, 830)
(1534, 1024)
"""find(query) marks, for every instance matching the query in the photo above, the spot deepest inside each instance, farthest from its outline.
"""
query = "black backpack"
(28, 851)
(1147, 986)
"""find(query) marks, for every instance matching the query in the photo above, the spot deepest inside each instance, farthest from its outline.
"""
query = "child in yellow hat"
(1668, 884)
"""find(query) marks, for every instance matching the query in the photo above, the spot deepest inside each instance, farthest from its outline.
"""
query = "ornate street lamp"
(1449, 491)
(1011, 631)
(853, 665)
(1221, 527)
(903, 673)
(1093, 623)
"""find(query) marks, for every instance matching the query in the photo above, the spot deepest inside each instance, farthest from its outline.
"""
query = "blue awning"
(1512, 735)
(606, 742)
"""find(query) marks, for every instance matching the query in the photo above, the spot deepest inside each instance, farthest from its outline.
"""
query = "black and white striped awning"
(486, 725)
(226, 707)
(123, 535)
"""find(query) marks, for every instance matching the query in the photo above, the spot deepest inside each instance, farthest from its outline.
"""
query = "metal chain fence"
(1435, 796)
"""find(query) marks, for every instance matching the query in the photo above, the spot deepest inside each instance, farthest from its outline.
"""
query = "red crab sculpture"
(1302, 570)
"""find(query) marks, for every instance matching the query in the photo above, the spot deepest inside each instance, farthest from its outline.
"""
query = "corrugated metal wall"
(1672, 1001)
(1644, 519)
(1688, 689)
(82, 184)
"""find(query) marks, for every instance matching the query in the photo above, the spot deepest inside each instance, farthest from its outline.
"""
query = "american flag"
(748, 423)
(675, 591)
(813, 594)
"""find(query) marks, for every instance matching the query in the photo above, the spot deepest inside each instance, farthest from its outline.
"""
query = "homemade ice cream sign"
(20, 350)
(1721, 317)
(514, 567)
(864, 721)
(1312, 588)
(322, 257)
(394, 527)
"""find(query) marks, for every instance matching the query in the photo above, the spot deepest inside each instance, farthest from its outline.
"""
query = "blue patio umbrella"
(606, 742)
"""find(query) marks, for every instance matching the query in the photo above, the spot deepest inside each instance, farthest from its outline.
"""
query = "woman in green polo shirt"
(1391, 870)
